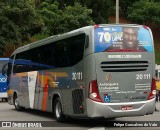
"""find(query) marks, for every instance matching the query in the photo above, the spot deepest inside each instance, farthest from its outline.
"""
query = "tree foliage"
(8, 31)
(63, 20)
(18, 21)
(145, 12)
(124, 5)
(76, 16)
(22, 19)
(100, 8)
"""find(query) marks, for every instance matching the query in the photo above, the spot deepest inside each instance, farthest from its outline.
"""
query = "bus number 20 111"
(77, 76)
(143, 76)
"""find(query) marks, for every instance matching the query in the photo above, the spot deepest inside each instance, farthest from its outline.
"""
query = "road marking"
(97, 128)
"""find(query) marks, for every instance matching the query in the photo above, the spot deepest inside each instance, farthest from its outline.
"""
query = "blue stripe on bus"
(4, 58)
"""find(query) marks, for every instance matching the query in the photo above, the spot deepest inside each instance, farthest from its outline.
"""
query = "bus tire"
(57, 110)
(16, 104)
(6, 99)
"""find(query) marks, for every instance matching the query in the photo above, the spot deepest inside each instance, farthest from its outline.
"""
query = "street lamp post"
(117, 11)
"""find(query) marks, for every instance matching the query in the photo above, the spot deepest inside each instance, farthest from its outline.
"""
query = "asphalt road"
(30, 118)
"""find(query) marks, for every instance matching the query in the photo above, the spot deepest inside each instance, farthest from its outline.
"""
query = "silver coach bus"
(95, 71)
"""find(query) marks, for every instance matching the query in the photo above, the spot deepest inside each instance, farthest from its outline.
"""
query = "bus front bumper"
(3, 95)
(114, 110)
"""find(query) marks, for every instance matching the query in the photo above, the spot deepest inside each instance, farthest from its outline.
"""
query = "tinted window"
(76, 49)
(64, 53)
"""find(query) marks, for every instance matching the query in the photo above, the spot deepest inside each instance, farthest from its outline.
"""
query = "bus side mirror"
(4, 70)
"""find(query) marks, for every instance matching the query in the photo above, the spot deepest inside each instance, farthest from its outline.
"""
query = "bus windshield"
(123, 38)
(2, 63)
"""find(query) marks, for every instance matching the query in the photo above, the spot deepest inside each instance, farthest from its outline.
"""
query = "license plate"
(125, 108)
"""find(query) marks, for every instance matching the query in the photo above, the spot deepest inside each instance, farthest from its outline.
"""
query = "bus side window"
(76, 48)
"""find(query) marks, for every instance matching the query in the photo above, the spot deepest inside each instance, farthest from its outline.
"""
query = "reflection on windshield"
(2, 63)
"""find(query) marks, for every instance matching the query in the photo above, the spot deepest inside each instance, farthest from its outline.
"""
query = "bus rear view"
(124, 84)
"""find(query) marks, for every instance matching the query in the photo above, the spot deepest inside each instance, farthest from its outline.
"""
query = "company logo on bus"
(108, 77)
(31, 79)
(2, 80)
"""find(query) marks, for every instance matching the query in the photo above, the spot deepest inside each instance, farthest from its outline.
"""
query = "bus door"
(33, 89)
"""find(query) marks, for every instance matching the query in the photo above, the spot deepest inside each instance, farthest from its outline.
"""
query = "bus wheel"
(16, 104)
(6, 99)
(58, 110)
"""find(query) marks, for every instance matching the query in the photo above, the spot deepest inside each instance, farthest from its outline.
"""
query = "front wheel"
(58, 114)
(16, 104)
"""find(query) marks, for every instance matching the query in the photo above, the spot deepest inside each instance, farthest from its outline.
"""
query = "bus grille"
(124, 66)
(77, 96)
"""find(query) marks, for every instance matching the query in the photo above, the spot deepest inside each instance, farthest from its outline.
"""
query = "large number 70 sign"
(104, 37)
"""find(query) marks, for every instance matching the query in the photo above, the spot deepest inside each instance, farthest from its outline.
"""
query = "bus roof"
(101, 25)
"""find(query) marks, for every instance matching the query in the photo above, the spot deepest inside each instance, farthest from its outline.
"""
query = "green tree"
(144, 12)
(100, 8)
(18, 21)
(8, 30)
(63, 20)
(52, 18)
(124, 5)
(77, 16)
